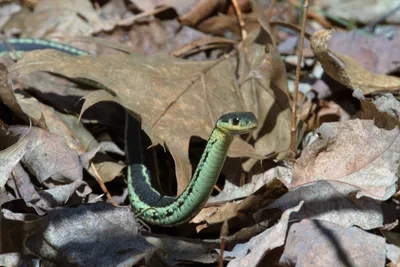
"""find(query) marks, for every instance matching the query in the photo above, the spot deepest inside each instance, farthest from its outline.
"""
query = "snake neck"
(212, 158)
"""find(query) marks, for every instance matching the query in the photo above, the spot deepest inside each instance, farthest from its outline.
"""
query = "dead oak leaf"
(65, 18)
(355, 152)
(320, 243)
(46, 154)
(264, 89)
(10, 156)
(346, 70)
(174, 98)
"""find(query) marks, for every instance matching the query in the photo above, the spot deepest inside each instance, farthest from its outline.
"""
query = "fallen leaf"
(189, 250)
(73, 18)
(181, 98)
(201, 11)
(333, 202)
(7, 93)
(384, 110)
(252, 252)
(178, 5)
(7, 11)
(88, 235)
(355, 152)
(263, 81)
(15, 259)
(45, 200)
(10, 156)
(356, 10)
(315, 115)
(241, 212)
(234, 192)
(374, 53)
(46, 155)
(320, 243)
(346, 70)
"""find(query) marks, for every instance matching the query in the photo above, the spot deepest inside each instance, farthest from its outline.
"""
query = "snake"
(146, 202)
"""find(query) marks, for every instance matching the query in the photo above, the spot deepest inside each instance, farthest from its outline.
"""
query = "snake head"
(237, 123)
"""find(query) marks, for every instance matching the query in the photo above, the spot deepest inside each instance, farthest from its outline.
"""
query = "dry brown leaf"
(252, 252)
(67, 126)
(240, 212)
(346, 70)
(264, 89)
(10, 156)
(384, 110)
(363, 11)
(180, 6)
(7, 94)
(179, 250)
(45, 200)
(333, 202)
(319, 243)
(201, 11)
(175, 98)
(314, 115)
(219, 25)
(375, 53)
(72, 18)
(88, 234)
(7, 11)
(234, 192)
(355, 152)
(47, 155)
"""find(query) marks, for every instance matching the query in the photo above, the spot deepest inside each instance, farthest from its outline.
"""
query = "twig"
(241, 23)
(270, 9)
(312, 15)
(296, 84)
(222, 237)
(102, 185)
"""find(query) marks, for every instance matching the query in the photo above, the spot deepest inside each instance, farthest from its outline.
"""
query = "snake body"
(146, 202)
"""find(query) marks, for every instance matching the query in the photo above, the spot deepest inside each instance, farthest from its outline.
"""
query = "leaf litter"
(344, 176)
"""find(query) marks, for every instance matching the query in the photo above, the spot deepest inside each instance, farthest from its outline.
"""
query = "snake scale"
(146, 202)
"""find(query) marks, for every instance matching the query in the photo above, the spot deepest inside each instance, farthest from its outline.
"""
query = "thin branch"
(102, 185)
(223, 235)
(241, 23)
(270, 9)
(297, 81)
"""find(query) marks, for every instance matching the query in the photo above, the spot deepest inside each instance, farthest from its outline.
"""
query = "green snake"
(145, 201)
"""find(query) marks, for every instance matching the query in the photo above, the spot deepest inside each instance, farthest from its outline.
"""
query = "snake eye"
(235, 121)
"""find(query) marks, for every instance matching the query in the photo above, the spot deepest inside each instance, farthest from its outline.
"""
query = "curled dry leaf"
(7, 93)
(361, 11)
(10, 156)
(73, 18)
(375, 53)
(46, 154)
(355, 152)
(320, 243)
(252, 252)
(175, 98)
(332, 201)
(15, 259)
(240, 212)
(88, 235)
(346, 70)
(178, 250)
(201, 11)
(264, 89)
(45, 200)
(384, 110)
